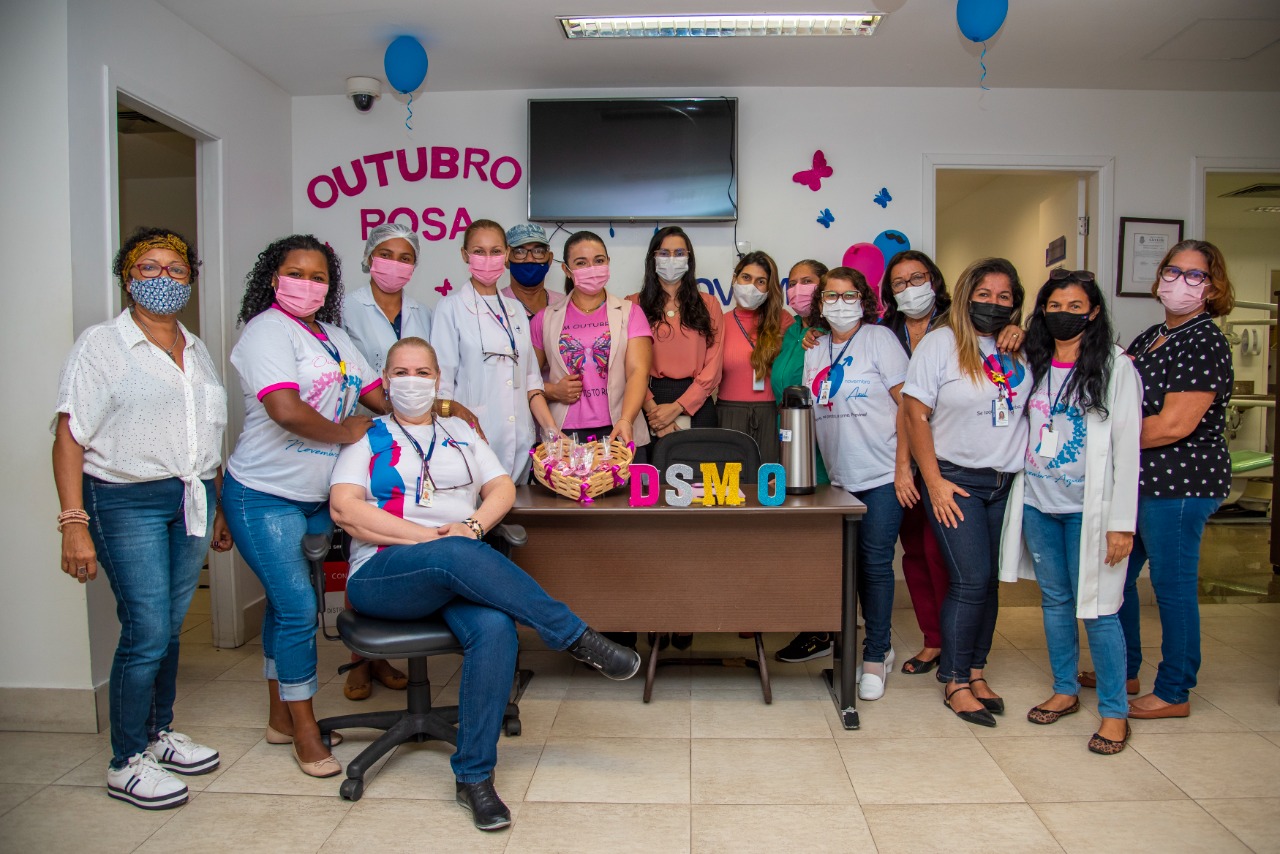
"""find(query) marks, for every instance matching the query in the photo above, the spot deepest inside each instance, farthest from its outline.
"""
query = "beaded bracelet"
(72, 517)
(475, 527)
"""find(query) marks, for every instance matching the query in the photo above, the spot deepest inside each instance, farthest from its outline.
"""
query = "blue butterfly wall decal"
(883, 198)
(826, 218)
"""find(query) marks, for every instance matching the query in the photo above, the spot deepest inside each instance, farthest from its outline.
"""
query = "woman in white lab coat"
(381, 314)
(486, 358)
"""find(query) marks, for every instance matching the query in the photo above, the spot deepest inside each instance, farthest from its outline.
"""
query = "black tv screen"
(659, 159)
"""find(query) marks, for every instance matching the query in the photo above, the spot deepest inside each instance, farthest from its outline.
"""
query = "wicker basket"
(584, 489)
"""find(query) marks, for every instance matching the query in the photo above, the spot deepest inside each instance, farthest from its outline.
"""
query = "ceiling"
(310, 47)
(1233, 212)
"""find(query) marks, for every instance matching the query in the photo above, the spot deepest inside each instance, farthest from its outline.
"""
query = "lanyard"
(998, 375)
(748, 337)
(906, 333)
(1048, 389)
(424, 474)
(504, 322)
(329, 347)
(831, 346)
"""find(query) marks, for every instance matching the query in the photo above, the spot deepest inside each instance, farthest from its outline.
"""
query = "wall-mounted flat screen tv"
(642, 159)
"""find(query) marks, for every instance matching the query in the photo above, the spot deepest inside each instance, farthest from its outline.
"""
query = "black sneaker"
(611, 659)
(805, 646)
(486, 808)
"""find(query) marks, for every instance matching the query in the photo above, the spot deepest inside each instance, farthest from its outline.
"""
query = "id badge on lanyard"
(1000, 410)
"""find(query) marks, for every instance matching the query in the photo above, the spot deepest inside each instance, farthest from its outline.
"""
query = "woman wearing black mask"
(963, 402)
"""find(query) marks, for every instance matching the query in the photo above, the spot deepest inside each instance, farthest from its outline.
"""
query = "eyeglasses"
(537, 253)
(671, 253)
(443, 484)
(1194, 278)
(850, 297)
(1057, 274)
(914, 280)
(177, 271)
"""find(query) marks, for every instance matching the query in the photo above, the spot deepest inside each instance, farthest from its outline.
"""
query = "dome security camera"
(363, 91)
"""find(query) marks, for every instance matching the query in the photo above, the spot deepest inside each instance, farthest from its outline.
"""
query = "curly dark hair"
(844, 274)
(895, 319)
(1089, 381)
(259, 295)
(140, 236)
(693, 311)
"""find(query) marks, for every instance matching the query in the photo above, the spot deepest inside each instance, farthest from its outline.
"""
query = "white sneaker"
(145, 784)
(871, 686)
(178, 753)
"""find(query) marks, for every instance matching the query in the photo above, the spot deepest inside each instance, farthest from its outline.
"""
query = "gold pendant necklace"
(177, 335)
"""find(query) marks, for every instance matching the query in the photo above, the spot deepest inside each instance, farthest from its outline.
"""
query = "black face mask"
(989, 317)
(1065, 325)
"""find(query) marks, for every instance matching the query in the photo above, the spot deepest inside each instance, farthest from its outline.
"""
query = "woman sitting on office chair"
(416, 494)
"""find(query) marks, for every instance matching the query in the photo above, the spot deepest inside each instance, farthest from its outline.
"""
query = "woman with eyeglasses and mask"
(963, 416)
(486, 356)
(1071, 514)
(416, 493)
(379, 315)
(1187, 376)
(688, 344)
(137, 454)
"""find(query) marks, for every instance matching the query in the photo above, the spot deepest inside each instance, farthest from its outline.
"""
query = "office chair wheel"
(512, 727)
(351, 790)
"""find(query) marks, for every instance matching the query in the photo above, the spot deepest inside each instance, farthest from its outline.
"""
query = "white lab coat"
(1111, 470)
(497, 389)
(373, 333)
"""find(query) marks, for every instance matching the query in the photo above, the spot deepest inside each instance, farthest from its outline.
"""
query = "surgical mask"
(161, 295)
(591, 280)
(671, 269)
(389, 275)
(486, 269)
(749, 297)
(300, 297)
(529, 274)
(989, 317)
(842, 316)
(916, 301)
(411, 396)
(1065, 325)
(1178, 297)
(800, 297)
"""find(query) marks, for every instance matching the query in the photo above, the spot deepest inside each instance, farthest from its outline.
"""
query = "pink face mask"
(1179, 297)
(486, 269)
(800, 297)
(300, 297)
(389, 275)
(591, 280)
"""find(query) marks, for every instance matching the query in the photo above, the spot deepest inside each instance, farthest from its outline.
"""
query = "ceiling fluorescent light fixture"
(720, 26)
(1265, 209)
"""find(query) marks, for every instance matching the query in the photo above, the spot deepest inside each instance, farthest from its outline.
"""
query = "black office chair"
(693, 447)
(415, 640)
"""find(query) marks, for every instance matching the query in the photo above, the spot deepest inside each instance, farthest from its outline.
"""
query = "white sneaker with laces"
(870, 685)
(178, 753)
(145, 784)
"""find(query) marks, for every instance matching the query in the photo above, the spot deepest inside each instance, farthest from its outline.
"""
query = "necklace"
(177, 336)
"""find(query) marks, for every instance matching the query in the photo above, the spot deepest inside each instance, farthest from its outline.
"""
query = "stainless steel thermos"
(795, 431)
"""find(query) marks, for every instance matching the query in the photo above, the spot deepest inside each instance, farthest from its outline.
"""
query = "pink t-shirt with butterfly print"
(584, 346)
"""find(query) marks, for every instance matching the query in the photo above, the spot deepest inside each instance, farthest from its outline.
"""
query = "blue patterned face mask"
(161, 295)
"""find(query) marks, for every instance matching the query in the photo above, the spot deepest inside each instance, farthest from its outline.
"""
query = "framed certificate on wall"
(1143, 244)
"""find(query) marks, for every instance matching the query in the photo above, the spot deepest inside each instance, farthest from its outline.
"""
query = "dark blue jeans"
(481, 595)
(877, 538)
(1169, 532)
(140, 533)
(972, 552)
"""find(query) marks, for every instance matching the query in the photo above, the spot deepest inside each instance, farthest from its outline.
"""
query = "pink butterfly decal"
(444, 289)
(600, 353)
(573, 354)
(812, 178)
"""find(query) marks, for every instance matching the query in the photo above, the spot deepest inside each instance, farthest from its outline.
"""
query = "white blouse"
(139, 416)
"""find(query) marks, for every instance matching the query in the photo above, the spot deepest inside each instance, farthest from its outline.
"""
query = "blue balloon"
(890, 243)
(406, 64)
(979, 20)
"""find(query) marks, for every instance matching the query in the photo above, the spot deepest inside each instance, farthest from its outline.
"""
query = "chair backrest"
(718, 445)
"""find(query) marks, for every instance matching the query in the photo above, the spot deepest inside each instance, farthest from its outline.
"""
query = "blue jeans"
(877, 539)
(140, 533)
(972, 552)
(268, 531)
(1169, 532)
(481, 595)
(1054, 542)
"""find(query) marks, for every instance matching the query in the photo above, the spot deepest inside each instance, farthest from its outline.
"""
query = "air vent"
(129, 121)
(1255, 191)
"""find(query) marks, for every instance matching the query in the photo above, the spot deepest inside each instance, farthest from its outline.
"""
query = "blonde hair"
(411, 341)
(968, 353)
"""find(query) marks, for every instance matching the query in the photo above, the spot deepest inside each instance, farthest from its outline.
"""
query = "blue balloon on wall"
(406, 64)
(979, 20)
(891, 242)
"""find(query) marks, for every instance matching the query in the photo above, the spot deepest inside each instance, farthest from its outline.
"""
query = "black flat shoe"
(993, 704)
(612, 659)
(913, 666)
(486, 808)
(982, 718)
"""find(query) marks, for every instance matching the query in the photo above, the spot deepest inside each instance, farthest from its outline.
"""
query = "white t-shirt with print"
(276, 351)
(857, 429)
(964, 428)
(387, 466)
(1055, 484)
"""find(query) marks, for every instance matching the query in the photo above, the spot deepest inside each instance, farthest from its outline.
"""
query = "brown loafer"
(1089, 679)
(1173, 710)
(359, 685)
(389, 676)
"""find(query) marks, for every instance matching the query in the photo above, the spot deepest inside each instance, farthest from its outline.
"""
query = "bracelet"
(475, 527)
(539, 392)
(446, 407)
(72, 517)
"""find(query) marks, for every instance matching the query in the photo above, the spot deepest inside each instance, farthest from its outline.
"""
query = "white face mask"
(842, 316)
(411, 396)
(916, 301)
(747, 297)
(671, 269)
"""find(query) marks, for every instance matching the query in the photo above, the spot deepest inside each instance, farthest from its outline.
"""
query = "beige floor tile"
(46, 756)
(595, 827)
(1011, 828)
(1238, 629)
(612, 770)
(201, 602)
(901, 713)
(12, 794)
(1061, 768)
(739, 714)
(1263, 652)
(237, 704)
(769, 828)
(1254, 705)
(423, 772)
(1014, 724)
(1215, 765)
(230, 742)
(1273, 737)
(925, 770)
(1266, 609)
(195, 621)
(270, 769)
(788, 681)
(769, 771)
(217, 822)
(1256, 821)
(1226, 665)
(412, 827)
(79, 820)
(329, 701)
(1089, 828)
(1225, 609)
(204, 661)
(671, 682)
(586, 714)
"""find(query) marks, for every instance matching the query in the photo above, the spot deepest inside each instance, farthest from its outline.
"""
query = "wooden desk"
(789, 568)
